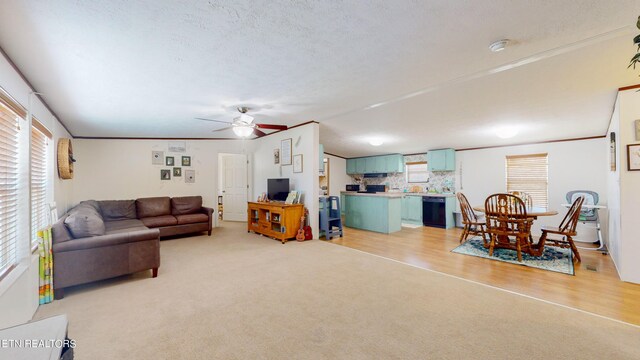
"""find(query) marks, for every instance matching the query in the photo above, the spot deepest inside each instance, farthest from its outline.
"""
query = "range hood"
(375, 175)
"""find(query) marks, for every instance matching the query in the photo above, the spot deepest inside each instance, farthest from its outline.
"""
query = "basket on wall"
(65, 159)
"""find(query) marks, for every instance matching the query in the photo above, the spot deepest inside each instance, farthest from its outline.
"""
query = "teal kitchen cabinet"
(342, 204)
(374, 213)
(412, 209)
(441, 160)
(394, 163)
(321, 163)
(376, 164)
(351, 166)
(361, 164)
(370, 165)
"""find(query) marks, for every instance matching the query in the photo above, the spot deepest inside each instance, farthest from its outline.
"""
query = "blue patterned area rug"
(553, 258)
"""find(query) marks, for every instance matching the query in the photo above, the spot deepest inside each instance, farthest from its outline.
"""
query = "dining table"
(532, 211)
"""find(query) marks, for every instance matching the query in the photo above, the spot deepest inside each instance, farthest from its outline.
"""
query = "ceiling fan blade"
(258, 133)
(272, 126)
(223, 129)
(220, 121)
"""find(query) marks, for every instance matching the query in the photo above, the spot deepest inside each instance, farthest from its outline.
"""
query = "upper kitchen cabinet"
(441, 160)
(376, 164)
(394, 163)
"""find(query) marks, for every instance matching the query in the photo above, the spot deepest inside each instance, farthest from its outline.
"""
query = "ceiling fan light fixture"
(246, 118)
(243, 131)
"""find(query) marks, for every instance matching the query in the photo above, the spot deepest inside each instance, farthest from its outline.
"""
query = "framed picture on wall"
(285, 152)
(276, 156)
(177, 172)
(186, 161)
(633, 157)
(157, 157)
(165, 174)
(170, 161)
(297, 163)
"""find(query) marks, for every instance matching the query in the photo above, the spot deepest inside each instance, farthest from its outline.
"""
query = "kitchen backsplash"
(437, 179)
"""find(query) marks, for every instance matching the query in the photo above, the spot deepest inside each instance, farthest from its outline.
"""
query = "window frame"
(529, 169)
(408, 172)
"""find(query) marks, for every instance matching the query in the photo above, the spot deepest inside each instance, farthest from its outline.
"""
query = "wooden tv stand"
(274, 219)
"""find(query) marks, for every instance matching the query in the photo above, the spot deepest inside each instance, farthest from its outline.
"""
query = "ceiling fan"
(243, 125)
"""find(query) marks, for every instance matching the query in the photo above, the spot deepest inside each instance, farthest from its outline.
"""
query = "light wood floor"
(600, 292)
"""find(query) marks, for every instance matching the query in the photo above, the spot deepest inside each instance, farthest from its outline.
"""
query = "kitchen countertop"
(395, 194)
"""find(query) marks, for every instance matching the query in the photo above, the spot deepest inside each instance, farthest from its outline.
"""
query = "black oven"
(434, 211)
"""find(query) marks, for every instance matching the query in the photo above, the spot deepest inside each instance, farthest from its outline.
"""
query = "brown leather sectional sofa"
(103, 239)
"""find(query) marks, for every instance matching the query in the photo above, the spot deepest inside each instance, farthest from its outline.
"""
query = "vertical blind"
(417, 172)
(39, 207)
(8, 187)
(529, 173)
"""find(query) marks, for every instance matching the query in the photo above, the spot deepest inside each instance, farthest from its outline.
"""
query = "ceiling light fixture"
(376, 142)
(506, 133)
(242, 130)
(499, 45)
(246, 118)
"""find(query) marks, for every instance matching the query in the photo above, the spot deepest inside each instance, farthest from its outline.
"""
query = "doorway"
(324, 177)
(233, 189)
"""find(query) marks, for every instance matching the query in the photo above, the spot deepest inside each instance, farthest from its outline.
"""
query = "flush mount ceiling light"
(499, 45)
(376, 142)
(506, 132)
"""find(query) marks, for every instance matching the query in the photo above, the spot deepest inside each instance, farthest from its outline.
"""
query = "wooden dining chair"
(472, 223)
(507, 218)
(566, 231)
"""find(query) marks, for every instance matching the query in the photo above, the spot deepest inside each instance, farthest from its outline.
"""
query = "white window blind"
(529, 173)
(8, 188)
(39, 207)
(417, 172)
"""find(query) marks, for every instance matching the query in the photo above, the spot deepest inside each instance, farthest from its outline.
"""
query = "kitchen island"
(379, 212)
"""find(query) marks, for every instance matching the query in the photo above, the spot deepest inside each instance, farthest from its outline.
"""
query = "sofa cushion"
(123, 225)
(192, 218)
(59, 231)
(117, 209)
(186, 205)
(159, 221)
(83, 221)
(154, 206)
(92, 203)
(106, 240)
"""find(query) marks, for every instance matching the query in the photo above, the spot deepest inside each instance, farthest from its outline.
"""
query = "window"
(39, 179)
(417, 172)
(8, 187)
(529, 173)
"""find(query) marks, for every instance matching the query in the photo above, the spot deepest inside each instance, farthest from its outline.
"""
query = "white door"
(234, 187)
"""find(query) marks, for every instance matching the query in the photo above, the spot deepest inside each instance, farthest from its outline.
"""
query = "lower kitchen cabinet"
(412, 209)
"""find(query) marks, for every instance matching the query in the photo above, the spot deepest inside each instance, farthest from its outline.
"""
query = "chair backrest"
(506, 215)
(590, 198)
(570, 221)
(468, 215)
(524, 196)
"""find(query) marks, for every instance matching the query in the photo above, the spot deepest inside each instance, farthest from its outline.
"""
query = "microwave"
(353, 187)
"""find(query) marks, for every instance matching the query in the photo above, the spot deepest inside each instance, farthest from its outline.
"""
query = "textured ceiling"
(147, 68)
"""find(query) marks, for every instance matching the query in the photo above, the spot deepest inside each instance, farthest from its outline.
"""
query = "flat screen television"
(277, 189)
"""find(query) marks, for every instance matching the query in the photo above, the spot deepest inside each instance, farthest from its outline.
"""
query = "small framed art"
(633, 157)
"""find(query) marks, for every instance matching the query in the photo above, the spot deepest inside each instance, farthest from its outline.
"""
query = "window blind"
(417, 172)
(39, 207)
(8, 187)
(529, 173)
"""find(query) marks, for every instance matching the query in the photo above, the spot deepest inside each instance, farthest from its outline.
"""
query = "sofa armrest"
(107, 240)
(209, 212)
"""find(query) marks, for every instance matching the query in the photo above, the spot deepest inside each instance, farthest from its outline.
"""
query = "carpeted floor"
(241, 296)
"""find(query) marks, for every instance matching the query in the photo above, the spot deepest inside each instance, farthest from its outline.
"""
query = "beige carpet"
(241, 296)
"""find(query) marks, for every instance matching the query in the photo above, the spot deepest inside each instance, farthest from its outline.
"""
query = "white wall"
(305, 141)
(628, 243)
(122, 169)
(573, 165)
(338, 178)
(19, 290)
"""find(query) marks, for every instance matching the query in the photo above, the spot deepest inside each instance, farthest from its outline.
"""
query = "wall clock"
(65, 159)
